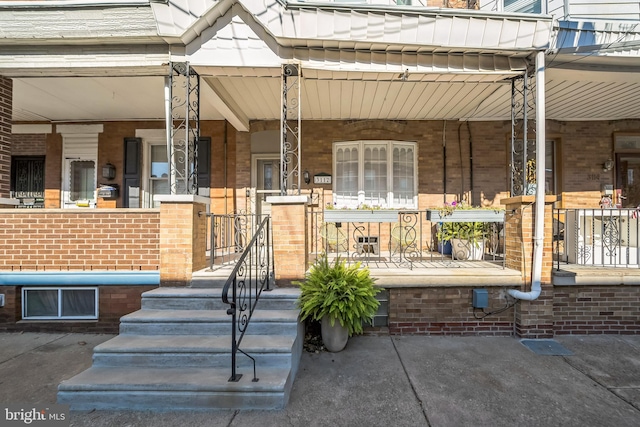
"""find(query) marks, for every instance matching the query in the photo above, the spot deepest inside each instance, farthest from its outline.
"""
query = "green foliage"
(475, 232)
(343, 292)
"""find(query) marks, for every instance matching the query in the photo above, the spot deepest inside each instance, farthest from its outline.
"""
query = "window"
(523, 6)
(376, 173)
(59, 303)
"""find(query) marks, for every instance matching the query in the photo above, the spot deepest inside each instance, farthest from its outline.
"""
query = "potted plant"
(341, 297)
(467, 239)
(530, 185)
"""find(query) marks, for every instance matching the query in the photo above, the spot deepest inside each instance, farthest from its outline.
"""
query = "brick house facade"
(460, 156)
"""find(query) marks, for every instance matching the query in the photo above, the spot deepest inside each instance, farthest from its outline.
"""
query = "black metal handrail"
(251, 275)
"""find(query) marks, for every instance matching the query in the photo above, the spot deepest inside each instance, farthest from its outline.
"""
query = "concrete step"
(208, 278)
(211, 299)
(196, 351)
(206, 322)
(184, 388)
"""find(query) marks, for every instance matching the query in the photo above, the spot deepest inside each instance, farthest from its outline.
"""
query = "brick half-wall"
(446, 311)
(113, 302)
(581, 310)
(100, 239)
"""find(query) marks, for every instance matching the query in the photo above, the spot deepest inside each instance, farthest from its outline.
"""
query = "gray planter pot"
(467, 215)
(360, 215)
(334, 337)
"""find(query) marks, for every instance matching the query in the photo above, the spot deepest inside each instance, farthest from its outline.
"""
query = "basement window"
(43, 303)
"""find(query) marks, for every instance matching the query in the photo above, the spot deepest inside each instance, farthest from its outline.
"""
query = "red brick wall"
(6, 103)
(445, 311)
(79, 239)
(29, 144)
(596, 310)
(10, 313)
(114, 302)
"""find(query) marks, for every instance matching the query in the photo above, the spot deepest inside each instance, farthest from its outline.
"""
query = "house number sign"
(322, 179)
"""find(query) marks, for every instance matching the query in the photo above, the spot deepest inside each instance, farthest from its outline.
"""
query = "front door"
(267, 183)
(628, 179)
(79, 184)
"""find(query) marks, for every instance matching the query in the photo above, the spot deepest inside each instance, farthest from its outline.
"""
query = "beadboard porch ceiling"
(597, 93)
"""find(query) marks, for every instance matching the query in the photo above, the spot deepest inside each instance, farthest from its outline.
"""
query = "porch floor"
(578, 274)
(435, 273)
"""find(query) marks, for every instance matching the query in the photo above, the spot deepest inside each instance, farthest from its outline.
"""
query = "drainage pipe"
(538, 226)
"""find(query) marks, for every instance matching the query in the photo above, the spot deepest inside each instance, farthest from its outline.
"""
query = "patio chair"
(334, 237)
(403, 238)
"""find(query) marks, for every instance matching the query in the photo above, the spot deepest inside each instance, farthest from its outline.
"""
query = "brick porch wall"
(596, 310)
(43, 239)
(445, 311)
(114, 302)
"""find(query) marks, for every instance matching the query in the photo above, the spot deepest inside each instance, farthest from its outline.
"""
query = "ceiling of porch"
(255, 95)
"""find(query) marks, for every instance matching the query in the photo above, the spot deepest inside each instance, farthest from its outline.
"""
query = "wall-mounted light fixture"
(608, 165)
(306, 176)
(108, 171)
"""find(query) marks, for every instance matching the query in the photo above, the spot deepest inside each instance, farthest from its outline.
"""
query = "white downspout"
(538, 226)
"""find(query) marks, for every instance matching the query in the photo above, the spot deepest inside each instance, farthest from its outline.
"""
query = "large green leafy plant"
(341, 291)
(475, 232)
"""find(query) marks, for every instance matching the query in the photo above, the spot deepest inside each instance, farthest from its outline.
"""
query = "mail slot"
(108, 191)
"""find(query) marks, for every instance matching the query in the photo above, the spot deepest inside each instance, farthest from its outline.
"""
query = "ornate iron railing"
(523, 149)
(251, 275)
(229, 235)
(183, 128)
(402, 239)
(597, 237)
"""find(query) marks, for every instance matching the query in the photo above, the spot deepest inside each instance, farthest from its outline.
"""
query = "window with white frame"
(375, 173)
(60, 303)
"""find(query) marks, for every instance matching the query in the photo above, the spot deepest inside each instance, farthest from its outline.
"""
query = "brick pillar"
(6, 106)
(183, 238)
(289, 223)
(534, 319)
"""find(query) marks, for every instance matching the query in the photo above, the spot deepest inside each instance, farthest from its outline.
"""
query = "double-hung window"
(375, 173)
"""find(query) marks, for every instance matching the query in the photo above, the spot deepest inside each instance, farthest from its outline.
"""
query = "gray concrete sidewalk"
(383, 381)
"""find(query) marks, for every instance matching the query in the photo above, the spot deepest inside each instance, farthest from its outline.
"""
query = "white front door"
(79, 184)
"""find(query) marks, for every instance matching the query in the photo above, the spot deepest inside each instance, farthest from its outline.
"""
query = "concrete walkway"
(383, 381)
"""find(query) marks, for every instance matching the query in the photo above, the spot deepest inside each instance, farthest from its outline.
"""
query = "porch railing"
(251, 275)
(402, 239)
(229, 235)
(597, 237)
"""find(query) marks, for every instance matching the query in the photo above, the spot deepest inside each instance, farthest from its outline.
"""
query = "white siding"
(580, 9)
(604, 9)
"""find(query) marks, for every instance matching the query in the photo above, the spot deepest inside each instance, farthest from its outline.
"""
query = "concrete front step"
(211, 299)
(208, 278)
(206, 322)
(196, 350)
(113, 388)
